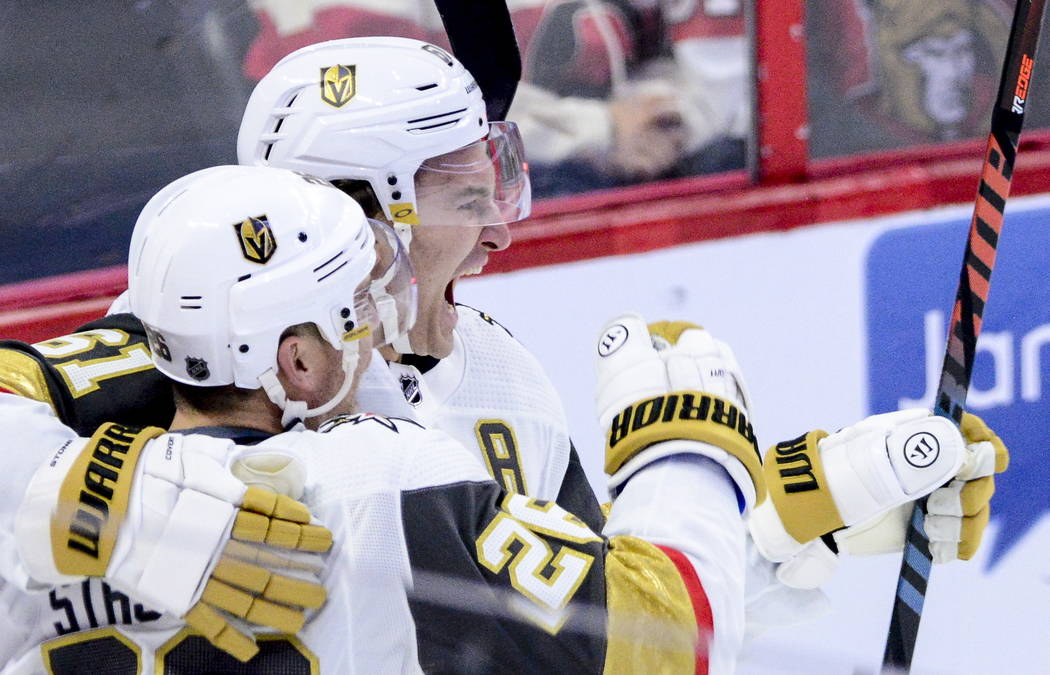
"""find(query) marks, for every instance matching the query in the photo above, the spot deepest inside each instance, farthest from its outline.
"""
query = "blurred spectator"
(615, 91)
(618, 92)
(903, 72)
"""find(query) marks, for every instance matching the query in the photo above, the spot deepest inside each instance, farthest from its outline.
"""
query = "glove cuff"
(686, 416)
(736, 470)
(798, 488)
(81, 500)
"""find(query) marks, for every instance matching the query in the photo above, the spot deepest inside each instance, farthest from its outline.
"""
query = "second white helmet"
(392, 112)
(224, 260)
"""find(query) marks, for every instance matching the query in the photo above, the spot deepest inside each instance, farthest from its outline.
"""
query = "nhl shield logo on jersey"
(197, 368)
(410, 388)
(256, 239)
(338, 85)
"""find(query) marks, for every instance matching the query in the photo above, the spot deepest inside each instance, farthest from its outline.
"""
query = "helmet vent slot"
(434, 117)
(341, 266)
(431, 127)
(326, 268)
(277, 126)
(424, 87)
(191, 302)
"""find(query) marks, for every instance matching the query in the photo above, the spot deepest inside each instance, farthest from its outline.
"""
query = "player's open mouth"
(450, 288)
(449, 292)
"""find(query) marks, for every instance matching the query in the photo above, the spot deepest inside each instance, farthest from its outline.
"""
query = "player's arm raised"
(504, 581)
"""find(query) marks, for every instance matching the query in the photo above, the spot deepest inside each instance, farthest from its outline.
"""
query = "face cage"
(483, 183)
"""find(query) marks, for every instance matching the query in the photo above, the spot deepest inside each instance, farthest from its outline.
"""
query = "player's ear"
(303, 365)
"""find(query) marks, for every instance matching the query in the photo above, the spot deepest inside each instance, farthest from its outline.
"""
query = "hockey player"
(426, 159)
(350, 125)
(253, 285)
(419, 157)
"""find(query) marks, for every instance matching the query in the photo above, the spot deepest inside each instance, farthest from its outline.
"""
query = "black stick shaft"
(965, 326)
(482, 38)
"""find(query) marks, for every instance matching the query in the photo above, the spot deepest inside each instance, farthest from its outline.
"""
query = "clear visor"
(392, 292)
(484, 183)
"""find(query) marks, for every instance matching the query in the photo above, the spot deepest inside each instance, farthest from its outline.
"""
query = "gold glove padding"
(254, 594)
(976, 493)
(276, 520)
(974, 430)
(684, 415)
(220, 632)
(242, 582)
(260, 556)
(266, 584)
(671, 330)
(799, 489)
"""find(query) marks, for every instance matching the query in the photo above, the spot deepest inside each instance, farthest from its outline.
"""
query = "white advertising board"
(831, 323)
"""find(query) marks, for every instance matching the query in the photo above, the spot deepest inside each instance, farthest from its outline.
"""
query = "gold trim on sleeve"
(652, 624)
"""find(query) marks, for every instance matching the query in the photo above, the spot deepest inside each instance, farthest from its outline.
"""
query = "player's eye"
(478, 207)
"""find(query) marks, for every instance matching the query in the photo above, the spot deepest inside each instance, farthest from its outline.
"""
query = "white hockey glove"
(672, 388)
(165, 520)
(859, 484)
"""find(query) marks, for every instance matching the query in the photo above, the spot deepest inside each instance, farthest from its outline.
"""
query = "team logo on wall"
(256, 239)
(197, 368)
(338, 85)
(911, 277)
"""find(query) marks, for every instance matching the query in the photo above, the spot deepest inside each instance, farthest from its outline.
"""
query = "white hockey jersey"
(435, 566)
(365, 627)
(494, 397)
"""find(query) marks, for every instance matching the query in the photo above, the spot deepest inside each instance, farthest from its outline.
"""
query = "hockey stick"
(482, 37)
(974, 279)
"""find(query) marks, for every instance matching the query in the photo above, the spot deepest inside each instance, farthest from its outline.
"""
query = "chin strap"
(296, 411)
(401, 344)
(386, 307)
(404, 233)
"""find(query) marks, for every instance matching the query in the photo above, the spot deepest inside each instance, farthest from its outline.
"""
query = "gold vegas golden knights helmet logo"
(256, 239)
(338, 85)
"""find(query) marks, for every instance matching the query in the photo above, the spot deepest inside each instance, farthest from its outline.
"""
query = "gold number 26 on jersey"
(546, 580)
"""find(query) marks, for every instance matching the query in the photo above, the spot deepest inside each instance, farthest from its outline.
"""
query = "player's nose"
(495, 237)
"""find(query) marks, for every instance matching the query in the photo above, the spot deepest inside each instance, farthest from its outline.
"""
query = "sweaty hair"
(214, 400)
(363, 194)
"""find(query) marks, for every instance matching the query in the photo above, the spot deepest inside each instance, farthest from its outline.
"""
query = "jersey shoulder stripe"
(705, 623)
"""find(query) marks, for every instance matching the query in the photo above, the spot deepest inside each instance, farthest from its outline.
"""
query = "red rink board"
(636, 219)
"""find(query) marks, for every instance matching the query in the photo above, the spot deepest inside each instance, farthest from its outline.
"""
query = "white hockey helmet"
(388, 111)
(224, 260)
